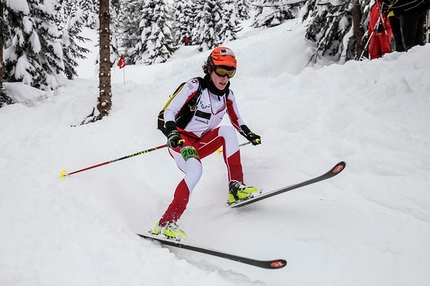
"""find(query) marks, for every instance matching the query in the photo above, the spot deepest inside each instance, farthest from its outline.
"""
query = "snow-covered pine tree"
(230, 23)
(5, 98)
(204, 32)
(157, 33)
(183, 19)
(32, 50)
(330, 27)
(130, 30)
(215, 23)
(270, 13)
(145, 33)
(115, 22)
(70, 35)
(90, 12)
(243, 9)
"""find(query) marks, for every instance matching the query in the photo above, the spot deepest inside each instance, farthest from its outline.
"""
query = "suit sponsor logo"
(204, 105)
(202, 121)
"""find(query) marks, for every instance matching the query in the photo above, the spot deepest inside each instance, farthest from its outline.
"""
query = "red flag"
(121, 62)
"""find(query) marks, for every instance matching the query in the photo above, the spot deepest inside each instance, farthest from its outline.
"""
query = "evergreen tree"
(33, 52)
(4, 95)
(270, 13)
(207, 17)
(130, 30)
(71, 33)
(156, 36)
(145, 31)
(215, 23)
(330, 27)
(230, 24)
(90, 12)
(243, 10)
(183, 19)
(115, 10)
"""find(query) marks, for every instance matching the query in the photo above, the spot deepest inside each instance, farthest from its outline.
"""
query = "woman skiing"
(193, 133)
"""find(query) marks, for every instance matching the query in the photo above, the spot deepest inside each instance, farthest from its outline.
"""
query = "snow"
(22, 66)
(24, 94)
(370, 225)
(18, 5)
(36, 46)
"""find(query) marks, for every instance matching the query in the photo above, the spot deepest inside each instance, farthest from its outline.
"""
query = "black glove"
(174, 139)
(251, 136)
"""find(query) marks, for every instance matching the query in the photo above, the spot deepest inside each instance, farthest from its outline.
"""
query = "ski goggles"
(225, 71)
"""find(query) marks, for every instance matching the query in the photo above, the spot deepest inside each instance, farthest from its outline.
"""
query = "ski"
(333, 172)
(267, 264)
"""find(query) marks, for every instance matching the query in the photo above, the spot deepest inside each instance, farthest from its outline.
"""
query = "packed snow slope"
(370, 225)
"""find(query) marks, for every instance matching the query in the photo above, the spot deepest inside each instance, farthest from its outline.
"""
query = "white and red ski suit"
(206, 136)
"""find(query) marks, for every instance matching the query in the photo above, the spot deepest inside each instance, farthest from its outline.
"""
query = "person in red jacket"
(379, 30)
(196, 134)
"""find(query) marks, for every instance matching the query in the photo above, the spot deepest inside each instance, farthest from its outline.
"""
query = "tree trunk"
(358, 30)
(105, 96)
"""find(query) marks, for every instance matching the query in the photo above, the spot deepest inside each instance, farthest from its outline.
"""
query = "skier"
(379, 30)
(191, 138)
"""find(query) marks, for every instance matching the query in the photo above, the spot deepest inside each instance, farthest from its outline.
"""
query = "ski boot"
(169, 230)
(238, 192)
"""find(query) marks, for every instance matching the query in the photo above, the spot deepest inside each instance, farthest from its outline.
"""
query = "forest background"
(42, 38)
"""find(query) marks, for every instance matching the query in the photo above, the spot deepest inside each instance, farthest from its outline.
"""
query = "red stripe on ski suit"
(225, 137)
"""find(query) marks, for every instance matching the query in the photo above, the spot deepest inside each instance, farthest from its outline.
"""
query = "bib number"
(189, 152)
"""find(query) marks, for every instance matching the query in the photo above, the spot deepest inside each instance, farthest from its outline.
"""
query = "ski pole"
(63, 173)
(370, 37)
(246, 143)
(240, 145)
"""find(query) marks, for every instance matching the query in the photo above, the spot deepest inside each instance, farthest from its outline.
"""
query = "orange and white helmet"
(222, 56)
